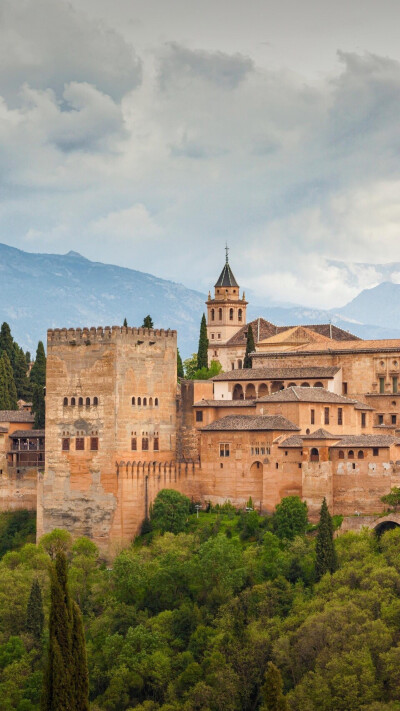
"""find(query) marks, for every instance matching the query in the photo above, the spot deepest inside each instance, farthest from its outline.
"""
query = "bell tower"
(226, 311)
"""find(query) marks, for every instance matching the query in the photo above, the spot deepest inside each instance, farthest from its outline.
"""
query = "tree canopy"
(250, 348)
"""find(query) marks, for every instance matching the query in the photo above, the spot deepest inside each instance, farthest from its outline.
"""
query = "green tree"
(125, 324)
(179, 365)
(250, 348)
(325, 547)
(272, 695)
(21, 379)
(6, 341)
(34, 613)
(290, 517)
(393, 499)
(170, 511)
(38, 407)
(148, 322)
(65, 685)
(202, 351)
(190, 366)
(8, 391)
(38, 381)
(207, 373)
(38, 372)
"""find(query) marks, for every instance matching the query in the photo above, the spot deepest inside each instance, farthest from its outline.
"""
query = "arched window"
(250, 392)
(341, 454)
(220, 314)
(65, 402)
(150, 402)
(230, 314)
(72, 401)
(237, 392)
(156, 401)
(139, 401)
(305, 385)
(292, 385)
(144, 401)
(262, 390)
(350, 454)
(314, 456)
(360, 454)
(80, 402)
(318, 385)
(88, 402)
(133, 401)
(95, 401)
(240, 364)
(240, 314)
(212, 314)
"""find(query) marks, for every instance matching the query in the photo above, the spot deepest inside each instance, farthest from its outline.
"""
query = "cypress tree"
(34, 613)
(28, 359)
(8, 391)
(148, 322)
(202, 353)
(38, 407)
(179, 365)
(273, 698)
(22, 383)
(38, 372)
(65, 686)
(38, 382)
(125, 322)
(325, 548)
(250, 348)
(6, 341)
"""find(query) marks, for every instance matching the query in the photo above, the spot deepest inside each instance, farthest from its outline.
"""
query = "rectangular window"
(212, 336)
(363, 419)
(199, 416)
(224, 450)
(94, 444)
(381, 385)
(380, 419)
(395, 384)
(133, 444)
(375, 452)
(65, 444)
(219, 335)
(313, 417)
(326, 415)
(340, 416)
(79, 443)
(344, 388)
(155, 444)
(145, 443)
(394, 419)
(232, 366)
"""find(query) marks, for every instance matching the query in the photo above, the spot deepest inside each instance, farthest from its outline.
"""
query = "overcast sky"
(146, 133)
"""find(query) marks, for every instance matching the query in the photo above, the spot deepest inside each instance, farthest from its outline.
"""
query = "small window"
(133, 401)
(212, 336)
(72, 402)
(220, 314)
(80, 402)
(394, 419)
(139, 401)
(88, 402)
(326, 415)
(277, 465)
(318, 385)
(95, 401)
(94, 444)
(340, 416)
(133, 444)
(240, 364)
(156, 402)
(353, 465)
(150, 402)
(144, 401)
(65, 444)
(363, 419)
(304, 385)
(230, 314)
(344, 388)
(314, 455)
(65, 402)
(212, 314)
(79, 443)
(199, 416)
(312, 420)
(395, 382)
(219, 335)
(224, 450)
(380, 419)
(155, 444)
(145, 443)
(381, 385)
(360, 454)
(240, 314)
(341, 454)
(375, 451)
(350, 454)
(232, 366)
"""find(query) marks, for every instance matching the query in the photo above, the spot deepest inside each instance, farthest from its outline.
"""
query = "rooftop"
(299, 394)
(340, 346)
(367, 440)
(321, 434)
(263, 329)
(16, 416)
(252, 422)
(266, 373)
(226, 278)
(225, 403)
(28, 433)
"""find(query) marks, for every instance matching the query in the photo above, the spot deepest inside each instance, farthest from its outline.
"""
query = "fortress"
(317, 415)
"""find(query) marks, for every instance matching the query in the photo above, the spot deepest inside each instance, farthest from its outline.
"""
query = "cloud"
(130, 225)
(180, 66)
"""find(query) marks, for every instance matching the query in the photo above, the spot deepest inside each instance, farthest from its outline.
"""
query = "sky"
(150, 133)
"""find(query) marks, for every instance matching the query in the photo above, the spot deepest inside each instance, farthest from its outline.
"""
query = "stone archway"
(254, 485)
(250, 392)
(262, 390)
(386, 523)
(237, 392)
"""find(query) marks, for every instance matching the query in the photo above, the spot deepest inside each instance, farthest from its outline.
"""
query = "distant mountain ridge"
(41, 291)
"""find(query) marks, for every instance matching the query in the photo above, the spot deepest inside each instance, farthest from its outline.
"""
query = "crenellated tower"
(226, 311)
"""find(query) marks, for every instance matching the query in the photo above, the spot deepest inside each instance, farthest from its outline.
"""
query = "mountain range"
(41, 291)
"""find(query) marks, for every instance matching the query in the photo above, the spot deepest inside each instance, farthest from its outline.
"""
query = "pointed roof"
(226, 278)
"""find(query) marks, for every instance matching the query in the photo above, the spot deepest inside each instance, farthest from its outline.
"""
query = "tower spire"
(226, 253)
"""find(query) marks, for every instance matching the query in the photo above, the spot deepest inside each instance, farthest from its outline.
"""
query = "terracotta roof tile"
(252, 422)
(16, 416)
(366, 440)
(267, 329)
(28, 433)
(265, 373)
(225, 403)
(292, 441)
(299, 394)
(321, 434)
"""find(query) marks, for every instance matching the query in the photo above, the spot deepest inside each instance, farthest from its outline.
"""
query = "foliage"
(170, 511)
(125, 324)
(16, 529)
(190, 366)
(22, 384)
(325, 550)
(202, 351)
(34, 613)
(272, 695)
(8, 391)
(148, 322)
(38, 382)
(290, 517)
(206, 373)
(250, 348)
(393, 499)
(179, 365)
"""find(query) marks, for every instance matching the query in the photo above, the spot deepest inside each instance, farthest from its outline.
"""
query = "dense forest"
(225, 611)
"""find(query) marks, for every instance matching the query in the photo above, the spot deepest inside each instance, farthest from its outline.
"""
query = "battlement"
(87, 336)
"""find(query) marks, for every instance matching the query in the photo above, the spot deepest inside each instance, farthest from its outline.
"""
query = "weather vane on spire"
(226, 251)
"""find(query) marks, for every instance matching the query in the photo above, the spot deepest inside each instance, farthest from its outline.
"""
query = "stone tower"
(226, 311)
